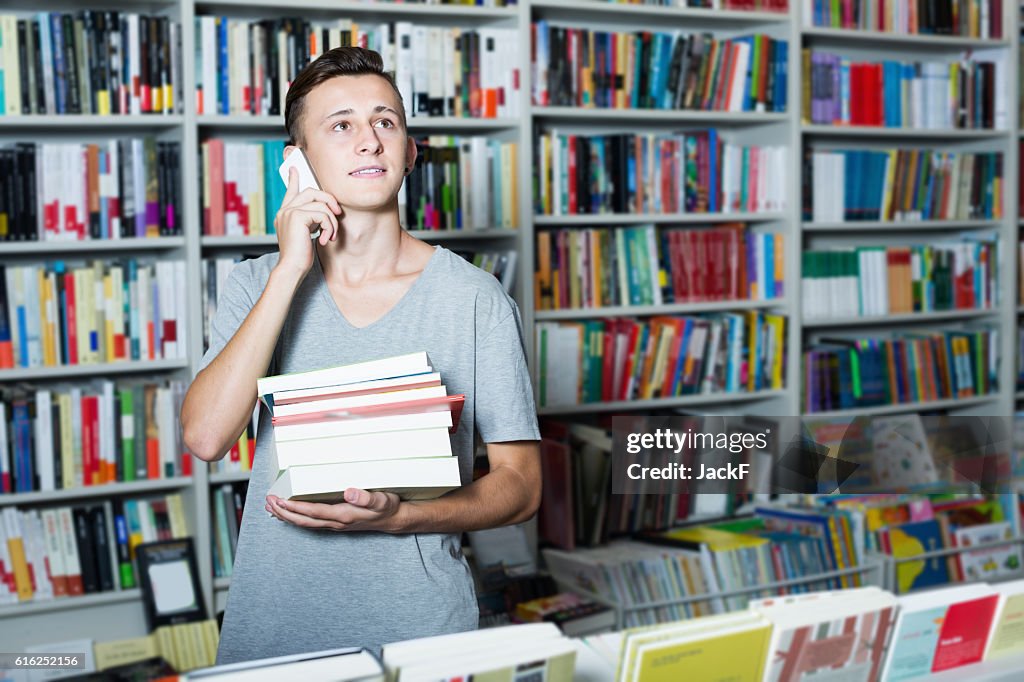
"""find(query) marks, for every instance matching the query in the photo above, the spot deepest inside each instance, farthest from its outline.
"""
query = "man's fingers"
(293, 186)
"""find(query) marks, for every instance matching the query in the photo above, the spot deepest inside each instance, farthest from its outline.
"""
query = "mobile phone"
(307, 178)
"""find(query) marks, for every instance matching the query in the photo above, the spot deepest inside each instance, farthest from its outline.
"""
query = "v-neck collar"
(325, 292)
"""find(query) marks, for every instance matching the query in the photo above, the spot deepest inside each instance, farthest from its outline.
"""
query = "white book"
(328, 427)
(415, 443)
(44, 440)
(337, 664)
(411, 479)
(374, 386)
(401, 365)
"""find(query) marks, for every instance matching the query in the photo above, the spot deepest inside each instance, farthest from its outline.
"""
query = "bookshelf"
(29, 623)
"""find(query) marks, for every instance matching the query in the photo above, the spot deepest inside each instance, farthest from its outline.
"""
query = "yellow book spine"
(16, 550)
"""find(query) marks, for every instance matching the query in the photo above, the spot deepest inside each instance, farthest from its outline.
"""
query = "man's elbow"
(531, 503)
(197, 440)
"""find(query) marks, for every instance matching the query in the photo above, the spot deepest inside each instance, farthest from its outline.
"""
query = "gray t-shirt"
(296, 590)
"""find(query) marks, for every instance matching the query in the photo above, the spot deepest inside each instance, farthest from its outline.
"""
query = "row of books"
(461, 183)
(578, 67)
(842, 373)
(697, 172)
(901, 184)
(228, 505)
(62, 313)
(967, 18)
(65, 552)
(380, 424)
(908, 452)
(863, 635)
(60, 191)
(879, 280)
(90, 62)
(93, 434)
(624, 359)
(641, 265)
(708, 559)
(246, 67)
(933, 95)
(457, 183)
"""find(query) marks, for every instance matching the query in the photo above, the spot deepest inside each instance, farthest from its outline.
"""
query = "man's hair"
(341, 61)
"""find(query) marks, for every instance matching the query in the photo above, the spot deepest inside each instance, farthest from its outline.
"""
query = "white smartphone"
(307, 178)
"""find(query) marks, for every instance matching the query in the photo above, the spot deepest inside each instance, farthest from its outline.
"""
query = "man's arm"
(219, 402)
(509, 493)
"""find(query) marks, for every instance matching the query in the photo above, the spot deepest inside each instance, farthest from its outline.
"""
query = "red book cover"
(454, 403)
(673, 355)
(964, 633)
(631, 353)
(573, 205)
(699, 239)
(89, 463)
(215, 226)
(680, 290)
(361, 388)
(71, 320)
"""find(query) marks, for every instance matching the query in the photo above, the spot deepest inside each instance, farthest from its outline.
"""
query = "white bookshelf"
(29, 623)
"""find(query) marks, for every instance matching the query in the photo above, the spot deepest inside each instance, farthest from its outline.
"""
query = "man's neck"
(369, 247)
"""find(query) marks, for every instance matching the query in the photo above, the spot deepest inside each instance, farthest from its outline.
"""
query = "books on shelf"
(458, 183)
(843, 373)
(934, 95)
(357, 426)
(228, 505)
(69, 551)
(664, 356)
(577, 67)
(734, 5)
(825, 632)
(901, 185)
(64, 436)
(461, 183)
(64, 313)
(245, 67)
(875, 281)
(642, 265)
(967, 18)
(864, 634)
(731, 646)
(90, 62)
(527, 651)
(68, 191)
(940, 630)
(696, 172)
(574, 615)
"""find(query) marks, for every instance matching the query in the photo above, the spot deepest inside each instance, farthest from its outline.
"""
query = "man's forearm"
(500, 498)
(220, 400)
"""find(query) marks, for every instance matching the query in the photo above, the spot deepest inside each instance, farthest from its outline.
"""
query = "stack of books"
(377, 425)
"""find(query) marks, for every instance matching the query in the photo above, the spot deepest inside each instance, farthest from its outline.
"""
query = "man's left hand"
(361, 510)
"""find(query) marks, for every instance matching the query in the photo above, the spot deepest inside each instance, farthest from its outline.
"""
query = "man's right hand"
(301, 213)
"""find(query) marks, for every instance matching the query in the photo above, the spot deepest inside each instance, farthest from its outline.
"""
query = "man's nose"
(368, 142)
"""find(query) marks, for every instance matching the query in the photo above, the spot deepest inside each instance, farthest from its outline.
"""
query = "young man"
(364, 289)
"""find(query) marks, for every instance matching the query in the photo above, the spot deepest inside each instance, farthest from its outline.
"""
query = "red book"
(454, 403)
(215, 225)
(573, 204)
(71, 320)
(964, 633)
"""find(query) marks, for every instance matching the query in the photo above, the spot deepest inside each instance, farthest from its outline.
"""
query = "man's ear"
(288, 149)
(410, 154)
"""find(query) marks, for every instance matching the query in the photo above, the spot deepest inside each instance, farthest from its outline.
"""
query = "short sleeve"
(505, 409)
(233, 306)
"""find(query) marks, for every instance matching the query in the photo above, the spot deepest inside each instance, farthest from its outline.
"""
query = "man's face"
(356, 142)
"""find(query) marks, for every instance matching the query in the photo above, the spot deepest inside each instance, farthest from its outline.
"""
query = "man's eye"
(340, 126)
(385, 123)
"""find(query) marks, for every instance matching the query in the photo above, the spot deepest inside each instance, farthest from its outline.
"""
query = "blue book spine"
(59, 68)
(713, 203)
(222, 65)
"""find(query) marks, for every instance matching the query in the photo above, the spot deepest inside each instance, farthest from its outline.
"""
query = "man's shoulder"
(461, 275)
(256, 270)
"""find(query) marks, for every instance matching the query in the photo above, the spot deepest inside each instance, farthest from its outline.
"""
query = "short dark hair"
(341, 61)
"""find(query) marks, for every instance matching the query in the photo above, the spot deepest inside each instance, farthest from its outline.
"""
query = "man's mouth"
(368, 172)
